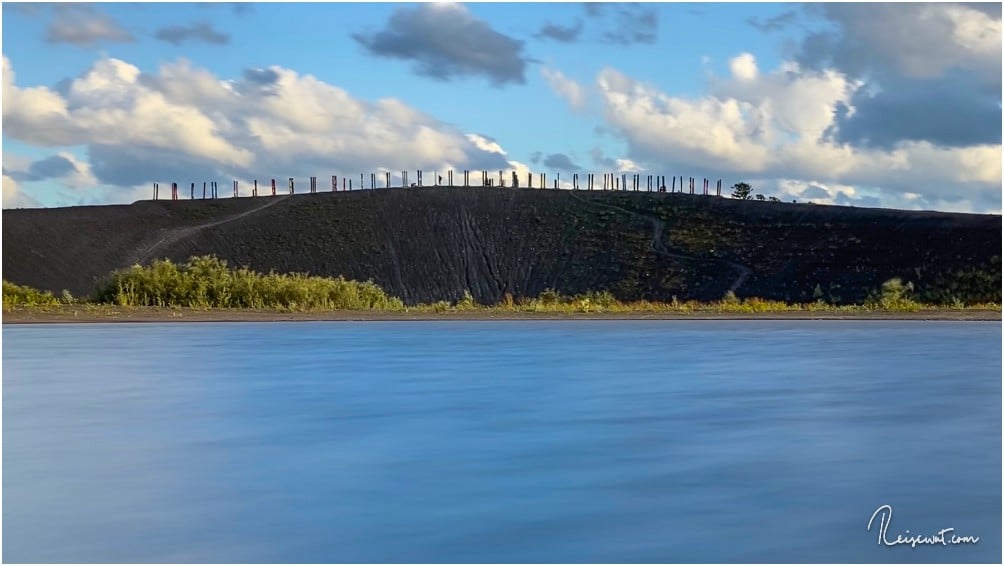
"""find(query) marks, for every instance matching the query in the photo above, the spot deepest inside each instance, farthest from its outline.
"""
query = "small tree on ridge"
(742, 191)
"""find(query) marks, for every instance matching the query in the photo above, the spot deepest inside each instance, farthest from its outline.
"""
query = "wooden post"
(255, 192)
(372, 180)
(334, 183)
(387, 179)
(718, 189)
(203, 190)
(292, 189)
(273, 187)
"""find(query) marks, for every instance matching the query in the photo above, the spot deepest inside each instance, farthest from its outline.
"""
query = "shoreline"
(71, 314)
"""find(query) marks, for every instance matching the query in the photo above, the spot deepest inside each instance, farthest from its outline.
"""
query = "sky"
(872, 105)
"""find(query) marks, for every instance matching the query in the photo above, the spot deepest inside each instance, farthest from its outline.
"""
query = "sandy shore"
(111, 314)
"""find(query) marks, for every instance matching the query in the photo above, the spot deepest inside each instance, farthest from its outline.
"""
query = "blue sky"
(810, 102)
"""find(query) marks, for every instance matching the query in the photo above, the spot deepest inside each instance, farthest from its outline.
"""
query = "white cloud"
(185, 123)
(776, 126)
(743, 67)
(13, 197)
(572, 92)
(486, 144)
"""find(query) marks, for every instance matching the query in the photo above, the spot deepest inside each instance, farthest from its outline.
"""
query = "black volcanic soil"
(434, 243)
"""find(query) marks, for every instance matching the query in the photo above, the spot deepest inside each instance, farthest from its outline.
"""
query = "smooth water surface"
(532, 441)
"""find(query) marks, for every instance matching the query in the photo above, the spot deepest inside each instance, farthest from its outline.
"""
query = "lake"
(526, 441)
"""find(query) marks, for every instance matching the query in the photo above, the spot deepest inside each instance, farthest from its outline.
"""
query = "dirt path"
(175, 235)
(658, 246)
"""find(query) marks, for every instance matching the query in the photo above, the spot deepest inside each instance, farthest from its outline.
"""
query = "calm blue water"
(589, 441)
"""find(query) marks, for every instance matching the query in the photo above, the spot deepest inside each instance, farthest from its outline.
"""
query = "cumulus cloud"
(916, 40)
(184, 123)
(13, 197)
(933, 71)
(445, 41)
(779, 125)
(200, 31)
(83, 26)
(571, 91)
(946, 111)
(744, 67)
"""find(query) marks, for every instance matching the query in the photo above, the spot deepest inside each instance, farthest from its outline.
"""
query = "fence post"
(292, 189)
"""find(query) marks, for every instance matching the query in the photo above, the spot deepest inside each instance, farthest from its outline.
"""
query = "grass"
(206, 282)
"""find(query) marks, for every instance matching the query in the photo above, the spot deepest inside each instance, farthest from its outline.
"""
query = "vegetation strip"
(207, 283)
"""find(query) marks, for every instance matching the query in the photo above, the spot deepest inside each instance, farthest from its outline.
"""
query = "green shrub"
(467, 303)
(207, 282)
(549, 297)
(894, 295)
(23, 296)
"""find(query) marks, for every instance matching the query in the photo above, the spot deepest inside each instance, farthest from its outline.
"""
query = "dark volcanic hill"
(434, 243)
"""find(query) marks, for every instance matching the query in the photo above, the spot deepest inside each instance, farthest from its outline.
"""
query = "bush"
(467, 303)
(23, 296)
(549, 297)
(894, 295)
(207, 282)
